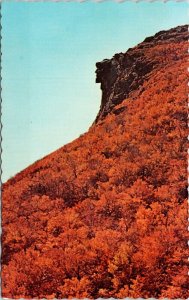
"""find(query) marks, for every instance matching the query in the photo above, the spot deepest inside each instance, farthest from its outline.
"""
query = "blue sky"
(48, 67)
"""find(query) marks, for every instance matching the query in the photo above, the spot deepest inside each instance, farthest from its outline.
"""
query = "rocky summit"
(123, 75)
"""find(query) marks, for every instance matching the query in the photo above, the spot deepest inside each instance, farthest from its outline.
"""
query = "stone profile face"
(122, 75)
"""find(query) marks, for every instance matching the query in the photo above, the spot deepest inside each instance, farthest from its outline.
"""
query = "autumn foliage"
(106, 215)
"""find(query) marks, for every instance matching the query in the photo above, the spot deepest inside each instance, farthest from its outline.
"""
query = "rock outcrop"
(123, 75)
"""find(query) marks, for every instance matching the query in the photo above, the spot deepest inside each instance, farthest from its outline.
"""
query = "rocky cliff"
(123, 75)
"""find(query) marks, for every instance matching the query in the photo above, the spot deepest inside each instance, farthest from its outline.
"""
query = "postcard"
(94, 150)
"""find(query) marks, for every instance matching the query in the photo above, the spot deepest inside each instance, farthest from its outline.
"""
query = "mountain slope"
(106, 215)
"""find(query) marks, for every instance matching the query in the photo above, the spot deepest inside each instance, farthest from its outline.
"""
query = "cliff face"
(106, 215)
(123, 75)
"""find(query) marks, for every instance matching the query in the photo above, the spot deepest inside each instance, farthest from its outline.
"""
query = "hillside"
(106, 215)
